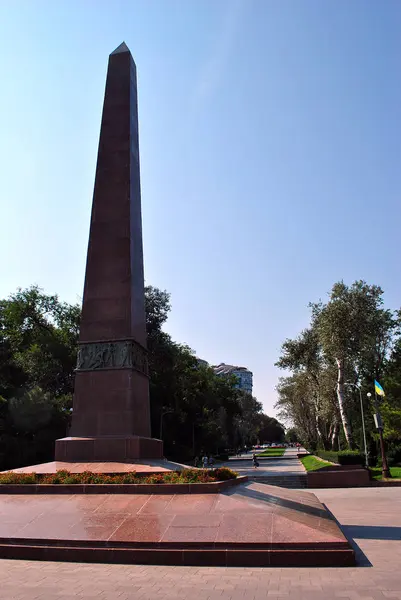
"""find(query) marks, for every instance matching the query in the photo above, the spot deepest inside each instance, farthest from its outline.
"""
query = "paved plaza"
(369, 516)
(288, 464)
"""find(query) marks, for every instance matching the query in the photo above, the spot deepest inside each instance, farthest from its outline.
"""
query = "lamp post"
(379, 427)
(363, 422)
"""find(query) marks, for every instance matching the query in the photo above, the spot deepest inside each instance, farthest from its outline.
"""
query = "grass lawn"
(272, 452)
(395, 472)
(313, 463)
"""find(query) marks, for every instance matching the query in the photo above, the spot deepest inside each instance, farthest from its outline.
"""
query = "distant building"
(243, 375)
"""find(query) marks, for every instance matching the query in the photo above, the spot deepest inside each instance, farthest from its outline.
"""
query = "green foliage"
(292, 436)
(193, 410)
(395, 473)
(38, 340)
(224, 474)
(18, 478)
(393, 455)
(66, 478)
(352, 339)
(313, 463)
(272, 452)
(269, 430)
(353, 326)
(31, 411)
(345, 457)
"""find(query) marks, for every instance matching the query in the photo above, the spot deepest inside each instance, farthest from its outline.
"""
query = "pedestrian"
(211, 462)
(205, 461)
(255, 461)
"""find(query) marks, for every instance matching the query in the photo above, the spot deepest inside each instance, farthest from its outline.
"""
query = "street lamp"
(379, 427)
(363, 422)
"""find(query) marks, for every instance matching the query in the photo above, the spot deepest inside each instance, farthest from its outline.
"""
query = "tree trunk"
(319, 430)
(341, 402)
(317, 421)
(334, 431)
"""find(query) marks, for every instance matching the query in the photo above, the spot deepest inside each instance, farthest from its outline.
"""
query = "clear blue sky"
(270, 140)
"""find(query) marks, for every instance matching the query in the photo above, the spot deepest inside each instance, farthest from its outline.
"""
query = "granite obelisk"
(111, 413)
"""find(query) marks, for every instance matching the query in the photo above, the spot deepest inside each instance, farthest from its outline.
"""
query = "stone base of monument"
(108, 448)
(143, 467)
(248, 524)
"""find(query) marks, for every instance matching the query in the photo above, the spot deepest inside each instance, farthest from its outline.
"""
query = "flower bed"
(87, 477)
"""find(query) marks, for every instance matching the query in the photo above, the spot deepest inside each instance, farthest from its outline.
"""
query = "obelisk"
(111, 414)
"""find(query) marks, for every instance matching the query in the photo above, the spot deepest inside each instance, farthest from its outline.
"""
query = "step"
(287, 481)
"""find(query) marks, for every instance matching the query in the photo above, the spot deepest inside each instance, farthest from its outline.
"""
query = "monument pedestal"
(108, 448)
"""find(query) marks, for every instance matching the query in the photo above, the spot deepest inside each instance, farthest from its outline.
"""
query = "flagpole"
(385, 470)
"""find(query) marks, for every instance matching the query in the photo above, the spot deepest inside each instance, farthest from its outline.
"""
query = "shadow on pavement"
(361, 558)
(372, 532)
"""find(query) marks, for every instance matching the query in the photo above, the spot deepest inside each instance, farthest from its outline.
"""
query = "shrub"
(344, 457)
(351, 457)
(129, 478)
(196, 476)
(224, 474)
(18, 478)
(87, 477)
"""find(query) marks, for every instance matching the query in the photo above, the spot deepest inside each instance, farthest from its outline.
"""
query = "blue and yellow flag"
(378, 389)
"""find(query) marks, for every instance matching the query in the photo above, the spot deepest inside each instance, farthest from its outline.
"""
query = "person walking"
(205, 461)
(255, 461)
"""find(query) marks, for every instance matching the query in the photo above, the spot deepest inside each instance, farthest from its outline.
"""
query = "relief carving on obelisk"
(112, 355)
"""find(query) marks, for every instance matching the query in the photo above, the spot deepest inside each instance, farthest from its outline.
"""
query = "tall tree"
(304, 355)
(349, 340)
(270, 430)
(356, 332)
(38, 342)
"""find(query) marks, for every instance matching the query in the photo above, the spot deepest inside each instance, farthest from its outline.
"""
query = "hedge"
(345, 457)
(87, 477)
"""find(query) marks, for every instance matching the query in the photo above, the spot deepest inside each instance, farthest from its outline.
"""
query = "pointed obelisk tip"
(121, 48)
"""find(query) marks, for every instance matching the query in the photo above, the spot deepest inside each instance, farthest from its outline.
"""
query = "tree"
(38, 342)
(294, 406)
(270, 430)
(31, 410)
(304, 355)
(291, 435)
(199, 411)
(349, 340)
(357, 333)
(391, 407)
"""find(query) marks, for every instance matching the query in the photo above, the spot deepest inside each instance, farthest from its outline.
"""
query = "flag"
(378, 389)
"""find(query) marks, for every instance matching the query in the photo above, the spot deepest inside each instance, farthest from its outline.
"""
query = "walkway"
(288, 464)
(372, 516)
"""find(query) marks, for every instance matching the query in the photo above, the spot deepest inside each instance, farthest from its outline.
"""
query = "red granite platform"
(249, 524)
